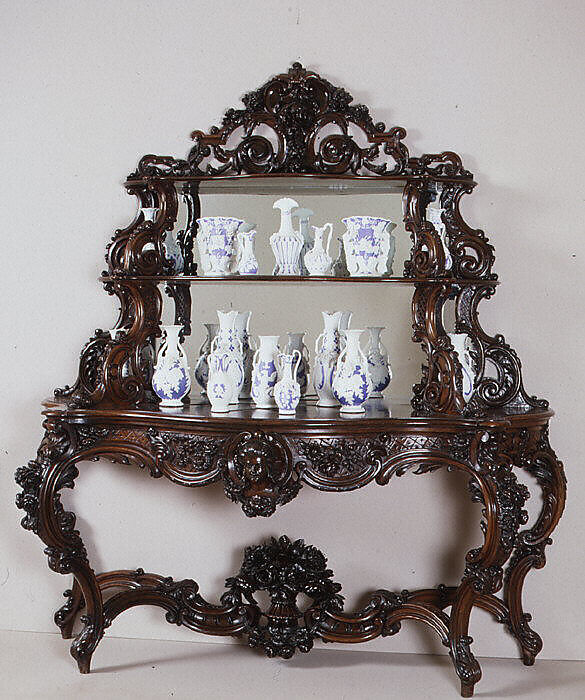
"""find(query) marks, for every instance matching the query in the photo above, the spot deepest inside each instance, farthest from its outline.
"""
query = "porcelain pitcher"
(287, 392)
(327, 349)
(317, 260)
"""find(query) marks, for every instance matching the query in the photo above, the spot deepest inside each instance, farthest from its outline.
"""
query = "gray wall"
(90, 87)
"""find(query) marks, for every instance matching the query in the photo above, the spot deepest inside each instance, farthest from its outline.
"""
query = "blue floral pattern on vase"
(352, 383)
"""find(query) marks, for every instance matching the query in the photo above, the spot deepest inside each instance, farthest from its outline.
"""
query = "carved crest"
(298, 122)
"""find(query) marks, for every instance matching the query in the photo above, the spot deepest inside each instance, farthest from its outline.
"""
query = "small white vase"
(220, 386)
(246, 264)
(380, 371)
(327, 349)
(202, 366)
(317, 260)
(170, 380)
(434, 215)
(264, 372)
(286, 243)
(216, 241)
(463, 345)
(227, 342)
(287, 392)
(295, 342)
(352, 383)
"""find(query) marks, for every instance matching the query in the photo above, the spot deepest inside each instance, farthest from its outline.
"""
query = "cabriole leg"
(529, 553)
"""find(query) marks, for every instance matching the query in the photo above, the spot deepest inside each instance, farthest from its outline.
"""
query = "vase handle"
(297, 363)
(329, 238)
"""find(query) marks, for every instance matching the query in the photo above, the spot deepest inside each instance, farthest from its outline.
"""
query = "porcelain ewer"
(352, 384)
(220, 386)
(317, 259)
(170, 380)
(287, 391)
(296, 342)
(246, 262)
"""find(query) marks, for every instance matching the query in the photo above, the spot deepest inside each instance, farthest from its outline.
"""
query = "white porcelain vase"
(317, 259)
(296, 342)
(220, 386)
(327, 349)
(462, 344)
(352, 384)
(216, 242)
(227, 342)
(287, 391)
(377, 355)
(265, 372)
(202, 365)
(170, 380)
(286, 243)
(367, 245)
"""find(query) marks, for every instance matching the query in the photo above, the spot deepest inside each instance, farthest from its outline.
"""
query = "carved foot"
(66, 614)
(85, 643)
(466, 665)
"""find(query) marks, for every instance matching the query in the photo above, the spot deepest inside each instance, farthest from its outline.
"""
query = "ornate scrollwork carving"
(257, 471)
(298, 122)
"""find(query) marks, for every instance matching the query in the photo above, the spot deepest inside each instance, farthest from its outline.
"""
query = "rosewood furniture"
(300, 130)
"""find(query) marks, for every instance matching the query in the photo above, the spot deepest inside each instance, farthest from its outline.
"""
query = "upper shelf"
(277, 279)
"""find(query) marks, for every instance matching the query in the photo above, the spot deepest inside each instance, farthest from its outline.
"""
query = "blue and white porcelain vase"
(220, 386)
(327, 349)
(352, 383)
(296, 342)
(287, 392)
(216, 241)
(202, 366)
(462, 344)
(367, 245)
(227, 342)
(246, 263)
(434, 215)
(170, 380)
(380, 371)
(242, 326)
(286, 243)
(264, 372)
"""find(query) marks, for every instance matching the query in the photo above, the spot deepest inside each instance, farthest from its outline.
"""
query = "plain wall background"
(90, 87)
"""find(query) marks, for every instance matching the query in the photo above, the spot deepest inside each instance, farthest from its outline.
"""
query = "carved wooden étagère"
(299, 127)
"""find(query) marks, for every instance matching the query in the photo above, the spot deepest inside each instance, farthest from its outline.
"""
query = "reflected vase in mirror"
(216, 242)
(227, 342)
(380, 371)
(368, 244)
(170, 380)
(202, 365)
(462, 345)
(352, 383)
(174, 258)
(287, 392)
(303, 215)
(296, 342)
(435, 216)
